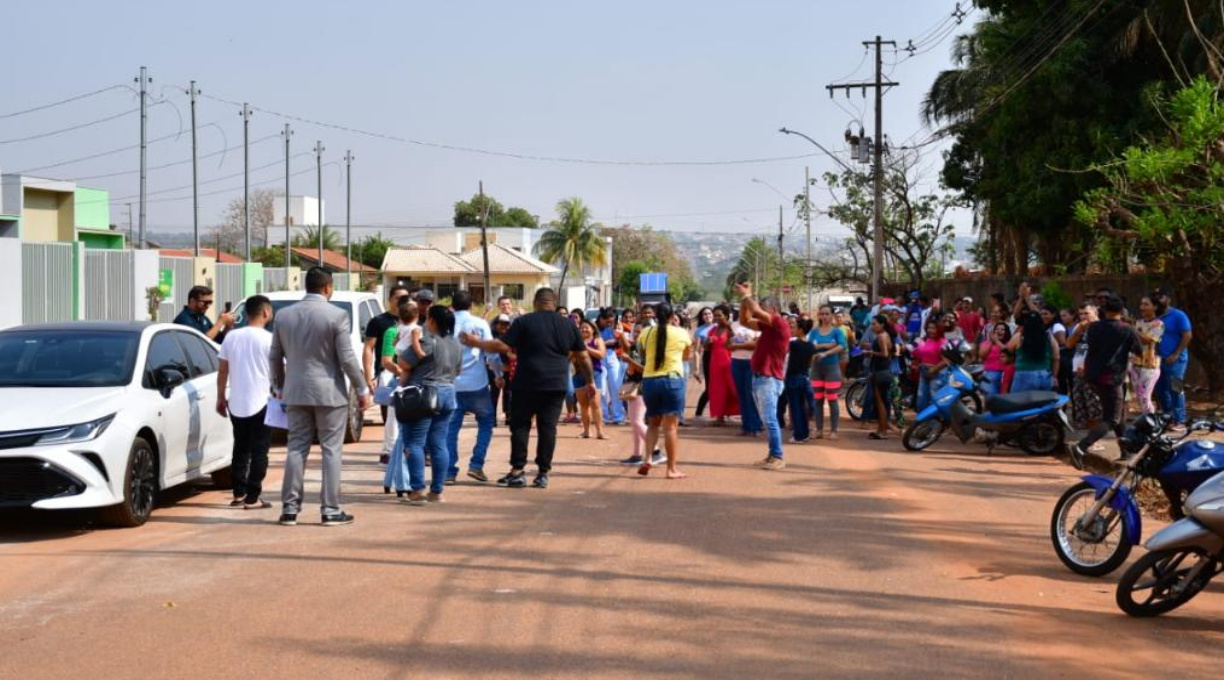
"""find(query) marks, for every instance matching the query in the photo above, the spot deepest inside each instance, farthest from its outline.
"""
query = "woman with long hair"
(831, 344)
(797, 388)
(634, 359)
(1145, 369)
(614, 372)
(928, 354)
(721, 385)
(589, 404)
(666, 348)
(992, 352)
(705, 323)
(437, 366)
(880, 357)
(1037, 355)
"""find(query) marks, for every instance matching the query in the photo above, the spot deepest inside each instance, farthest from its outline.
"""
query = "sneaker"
(451, 481)
(337, 519)
(632, 460)
(478, 475)
(774, 463)
(513, 480)
(1077, 456)
(763, 462)
(657, 458)
(238, 502)
(415, 498)
(432, 497)
(792, 440)
(288, 520)
(541, 481)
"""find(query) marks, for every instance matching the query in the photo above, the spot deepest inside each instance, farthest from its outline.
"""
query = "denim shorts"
(580, 382)
(664, 396)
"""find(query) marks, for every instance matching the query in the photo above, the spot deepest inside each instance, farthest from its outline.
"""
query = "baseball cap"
(502, 318)
(967, 299)
(424, 295)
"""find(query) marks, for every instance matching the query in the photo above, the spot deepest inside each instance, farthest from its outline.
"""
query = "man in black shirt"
(199, 299)
(1110, 344)
(375, 329)
(545, 342)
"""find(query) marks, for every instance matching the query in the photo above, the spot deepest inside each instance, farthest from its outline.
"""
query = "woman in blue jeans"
(436, 367)
(1036, 353)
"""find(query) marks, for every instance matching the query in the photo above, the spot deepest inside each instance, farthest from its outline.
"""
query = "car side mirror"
(167, 378)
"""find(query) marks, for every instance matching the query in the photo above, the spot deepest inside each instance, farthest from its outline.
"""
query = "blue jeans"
(799, 396)
(396, 475)
(993, 383)
(1026, 381)
(479, 404)
(1173, 402)
(614, 408)
(765, 394)
(429, 433)
(741, 375)
(927, 387)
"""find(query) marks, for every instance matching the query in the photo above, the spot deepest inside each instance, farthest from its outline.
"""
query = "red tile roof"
(210, 253)
(332, 260)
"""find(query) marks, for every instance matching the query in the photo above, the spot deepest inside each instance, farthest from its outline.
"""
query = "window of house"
(514, 291)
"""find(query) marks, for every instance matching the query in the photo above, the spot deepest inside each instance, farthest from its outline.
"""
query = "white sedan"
(106, 414)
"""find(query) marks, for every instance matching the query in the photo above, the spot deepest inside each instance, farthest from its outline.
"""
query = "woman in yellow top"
(666, 348)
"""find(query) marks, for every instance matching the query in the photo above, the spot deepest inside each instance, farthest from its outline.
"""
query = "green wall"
(252, 279)
(109, 241)
(92, 208)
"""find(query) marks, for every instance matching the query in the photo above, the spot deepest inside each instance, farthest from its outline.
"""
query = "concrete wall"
(47, 216)
(92, 207)
(145, 275)
(10, 302)
(303, 211)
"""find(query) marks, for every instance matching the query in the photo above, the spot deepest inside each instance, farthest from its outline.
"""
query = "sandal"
(876, 436)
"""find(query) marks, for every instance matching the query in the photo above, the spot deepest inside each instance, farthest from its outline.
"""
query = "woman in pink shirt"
(994, 362)
(928, 353)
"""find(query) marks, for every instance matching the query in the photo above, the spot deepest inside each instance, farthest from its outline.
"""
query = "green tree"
(1163, 205)
(372, 250)
(656, 251)
(270, 256)
(629, 282)
(468, 213)
(572, 239)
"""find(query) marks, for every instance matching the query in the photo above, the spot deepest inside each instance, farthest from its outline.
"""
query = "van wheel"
(139, 488)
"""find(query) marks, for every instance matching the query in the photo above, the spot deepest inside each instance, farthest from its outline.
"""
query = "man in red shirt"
(970, 322)
(768, 365)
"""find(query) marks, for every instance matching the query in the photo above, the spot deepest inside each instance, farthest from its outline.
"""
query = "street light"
(818, 146)
(774, 188)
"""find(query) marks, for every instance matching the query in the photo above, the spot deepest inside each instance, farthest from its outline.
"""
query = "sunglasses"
(206, 303)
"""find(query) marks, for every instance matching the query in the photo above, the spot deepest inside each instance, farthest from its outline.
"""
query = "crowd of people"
(757, 366)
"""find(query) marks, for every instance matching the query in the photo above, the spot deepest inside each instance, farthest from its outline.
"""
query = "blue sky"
(648, 81)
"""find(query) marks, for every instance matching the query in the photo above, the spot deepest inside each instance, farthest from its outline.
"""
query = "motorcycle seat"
(1021, 401)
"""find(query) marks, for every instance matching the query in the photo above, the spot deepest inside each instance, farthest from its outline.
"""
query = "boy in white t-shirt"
(245, 369)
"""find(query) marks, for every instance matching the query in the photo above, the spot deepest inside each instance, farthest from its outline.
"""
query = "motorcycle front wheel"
(1158, 582)
(920, 435)
(853, 399)
(1094, 549)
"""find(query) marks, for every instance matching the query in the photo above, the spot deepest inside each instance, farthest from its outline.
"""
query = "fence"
(110, 286)
(274, 280)
(183, 269)
(227, 285)
(48, 282)
(1130, 286)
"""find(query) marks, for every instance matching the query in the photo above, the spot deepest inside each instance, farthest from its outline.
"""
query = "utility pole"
(195, 176)
(877, 255)
(348, 213)
(287, 134)
(807, 216)
(144, 80)
(319, 198)
(130, 234)
(246, 180)
(781, 258)
(484, 244)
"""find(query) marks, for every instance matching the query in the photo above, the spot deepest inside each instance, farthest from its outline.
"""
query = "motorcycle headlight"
(73, 434)
(955, 382)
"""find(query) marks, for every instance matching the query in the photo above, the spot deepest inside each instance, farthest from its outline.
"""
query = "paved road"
(856, 561)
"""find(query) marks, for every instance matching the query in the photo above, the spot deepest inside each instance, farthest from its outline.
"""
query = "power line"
(61, 102)
(61, 131)
(98, 155)
(219, 152)
(509, 154)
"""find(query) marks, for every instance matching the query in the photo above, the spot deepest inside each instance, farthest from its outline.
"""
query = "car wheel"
(139, 488)
(356, 419)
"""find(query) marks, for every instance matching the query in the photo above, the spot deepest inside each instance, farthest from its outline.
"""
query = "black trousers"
(545, 408)
(1112, 403)
(704, 399)
(251, 442)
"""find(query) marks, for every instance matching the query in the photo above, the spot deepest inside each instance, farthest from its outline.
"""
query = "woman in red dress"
(723, 400)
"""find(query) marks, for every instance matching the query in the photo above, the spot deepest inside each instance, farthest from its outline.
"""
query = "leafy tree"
(1163, 205)
(657, 252)
(629, 282)
(271, 256)
(572, 239)
(468, 213)
(372, 250)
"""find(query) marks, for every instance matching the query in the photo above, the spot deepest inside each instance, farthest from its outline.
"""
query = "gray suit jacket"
(312, 351)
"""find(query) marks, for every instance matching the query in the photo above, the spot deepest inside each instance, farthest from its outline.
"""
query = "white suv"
(361, 307)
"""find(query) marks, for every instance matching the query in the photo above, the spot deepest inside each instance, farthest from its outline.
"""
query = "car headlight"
(73, 434)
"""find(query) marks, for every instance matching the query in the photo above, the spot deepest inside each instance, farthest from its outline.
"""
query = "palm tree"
(572, 239)
(309, 238)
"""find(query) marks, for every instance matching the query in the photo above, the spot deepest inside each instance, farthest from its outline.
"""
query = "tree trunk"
(1200, 300)
(561, 285)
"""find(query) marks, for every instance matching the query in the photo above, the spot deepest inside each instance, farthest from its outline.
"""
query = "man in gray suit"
(311, 354)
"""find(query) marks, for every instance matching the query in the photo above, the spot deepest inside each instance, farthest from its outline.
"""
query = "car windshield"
(67, 358)
(240, 319)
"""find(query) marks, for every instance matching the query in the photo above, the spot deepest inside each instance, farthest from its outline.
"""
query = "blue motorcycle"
(1034, 421)
(1097, 522)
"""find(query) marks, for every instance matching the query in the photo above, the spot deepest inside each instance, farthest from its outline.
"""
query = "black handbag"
(415, 402)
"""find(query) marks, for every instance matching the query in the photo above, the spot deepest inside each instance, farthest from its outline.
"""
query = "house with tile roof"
(511, 272)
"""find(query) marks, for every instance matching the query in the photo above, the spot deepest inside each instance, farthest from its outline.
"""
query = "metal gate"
(110, 287)
(228, 286)
(48, 282)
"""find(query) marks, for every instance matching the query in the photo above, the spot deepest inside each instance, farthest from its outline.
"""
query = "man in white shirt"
(245, 368)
